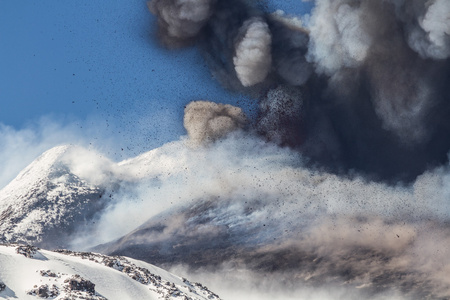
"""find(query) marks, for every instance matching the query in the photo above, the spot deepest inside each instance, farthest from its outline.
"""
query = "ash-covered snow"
(82, 275)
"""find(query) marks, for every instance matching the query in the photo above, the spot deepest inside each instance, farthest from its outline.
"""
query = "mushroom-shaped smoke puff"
(253, 59)
(180, 21)
(208, 121)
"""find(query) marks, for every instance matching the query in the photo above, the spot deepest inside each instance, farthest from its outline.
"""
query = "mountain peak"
(45, 198)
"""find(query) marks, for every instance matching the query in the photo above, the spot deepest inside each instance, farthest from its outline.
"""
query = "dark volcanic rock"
(26, 250)
(77, 283)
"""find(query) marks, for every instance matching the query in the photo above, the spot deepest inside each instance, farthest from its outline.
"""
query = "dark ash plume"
(180, 21)
(362, 93)
(373, 78)
(221, 37)
(289, 46)
(388, 106)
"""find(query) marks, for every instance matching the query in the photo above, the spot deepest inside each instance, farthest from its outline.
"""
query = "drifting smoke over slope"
(244, 205)
(373, 77)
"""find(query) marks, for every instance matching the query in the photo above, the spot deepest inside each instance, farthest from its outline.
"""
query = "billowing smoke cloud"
(207, 121)
(427, 26)
(180, 21)
(253, 60)
(360, 94)
(437, 31)
(372, 76)
(339, 38)
(366, 36)
(289, 46)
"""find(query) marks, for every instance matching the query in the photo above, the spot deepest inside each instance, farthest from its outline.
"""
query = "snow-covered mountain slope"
(27, 272)
(46, 202)
(368, 258)
(256, 208)
(58, 198)
(242, 205)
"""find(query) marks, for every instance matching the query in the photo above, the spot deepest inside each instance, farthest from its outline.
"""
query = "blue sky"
(87, 62)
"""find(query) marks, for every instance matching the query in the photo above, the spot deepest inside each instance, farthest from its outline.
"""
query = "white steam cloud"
(436, 24)
(252, 60)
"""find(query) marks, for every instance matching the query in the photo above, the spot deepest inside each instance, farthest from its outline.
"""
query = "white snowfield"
(30, 273)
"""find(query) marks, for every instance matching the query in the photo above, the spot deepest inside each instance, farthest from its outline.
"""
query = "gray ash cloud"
(372, 76)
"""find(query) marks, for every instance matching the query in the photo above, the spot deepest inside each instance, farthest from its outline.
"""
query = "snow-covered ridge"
(46, 199)
(28, 272)
(58, 194)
